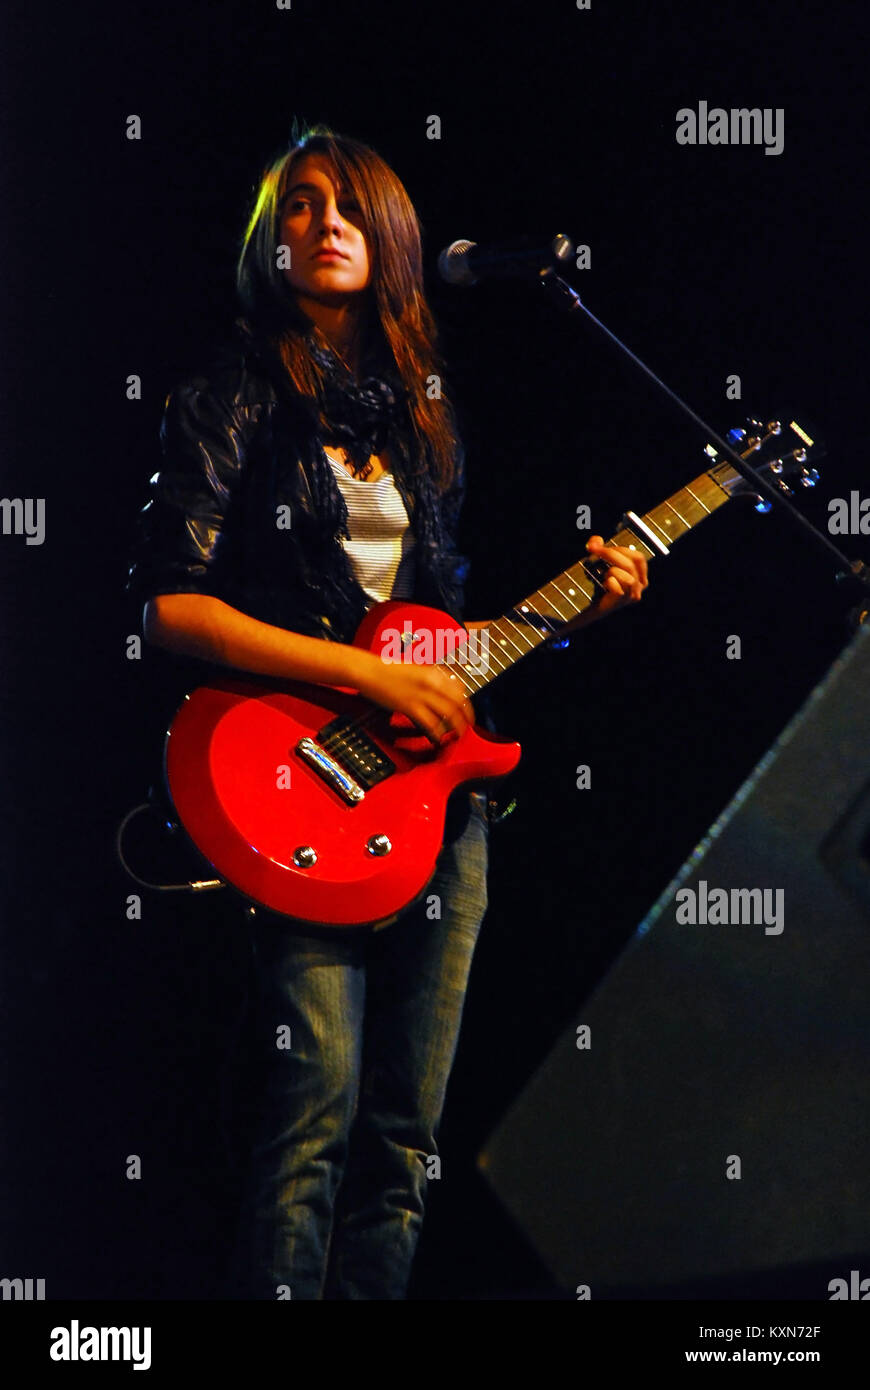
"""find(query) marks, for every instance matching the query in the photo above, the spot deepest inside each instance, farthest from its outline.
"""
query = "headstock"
(777, 469)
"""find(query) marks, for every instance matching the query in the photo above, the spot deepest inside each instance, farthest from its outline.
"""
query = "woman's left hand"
(624, 582)
(626, 576)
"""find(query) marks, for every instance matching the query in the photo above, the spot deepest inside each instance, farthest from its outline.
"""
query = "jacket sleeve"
(179, 533)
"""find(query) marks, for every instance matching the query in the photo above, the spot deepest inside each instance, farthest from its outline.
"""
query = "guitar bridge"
(346, 758)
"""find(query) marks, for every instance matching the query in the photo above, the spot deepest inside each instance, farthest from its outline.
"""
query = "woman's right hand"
(433, 698)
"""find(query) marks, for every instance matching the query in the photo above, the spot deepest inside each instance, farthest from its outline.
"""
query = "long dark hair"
(407, 337)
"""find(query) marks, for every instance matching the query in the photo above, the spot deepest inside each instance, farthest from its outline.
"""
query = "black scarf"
(362, 417)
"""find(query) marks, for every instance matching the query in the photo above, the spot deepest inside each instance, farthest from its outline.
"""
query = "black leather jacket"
(233, 453)
(236, 448)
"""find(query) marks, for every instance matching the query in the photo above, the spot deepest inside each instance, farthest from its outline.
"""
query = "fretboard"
(539, 616)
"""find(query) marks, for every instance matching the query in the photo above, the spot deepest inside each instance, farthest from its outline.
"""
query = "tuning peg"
(736, 436)
(784, 487)
(774, 427)
(775, 465)
(755, 426)
(809, 477)
(763, 506)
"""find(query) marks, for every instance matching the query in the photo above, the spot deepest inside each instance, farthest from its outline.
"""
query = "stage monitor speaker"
(708, 1114)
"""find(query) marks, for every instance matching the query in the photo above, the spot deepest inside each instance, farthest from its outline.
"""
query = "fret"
(711, 489)
(580, 585)
(710, 495)
(661, 525)
(634, 541)
(504, 644)
(497, 656)
(552, 601)
(702, 509)
(707, 492)
(519, 638)
(472, 679)
(547, 622)
(681, 525)
(571, 598)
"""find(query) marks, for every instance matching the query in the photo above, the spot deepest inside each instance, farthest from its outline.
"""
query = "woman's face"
(317, 217)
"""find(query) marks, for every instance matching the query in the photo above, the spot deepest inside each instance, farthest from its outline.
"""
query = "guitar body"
(314, 802)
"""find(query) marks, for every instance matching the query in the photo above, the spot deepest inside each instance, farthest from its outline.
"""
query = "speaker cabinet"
(715, 1118)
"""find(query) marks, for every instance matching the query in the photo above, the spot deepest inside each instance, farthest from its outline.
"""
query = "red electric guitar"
(327, 808)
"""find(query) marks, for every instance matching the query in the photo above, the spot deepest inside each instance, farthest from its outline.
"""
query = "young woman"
(322, 411)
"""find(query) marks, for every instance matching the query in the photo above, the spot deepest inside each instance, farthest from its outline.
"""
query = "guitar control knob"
(378, 844)
(304, 856)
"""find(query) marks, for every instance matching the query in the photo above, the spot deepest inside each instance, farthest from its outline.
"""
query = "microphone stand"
(567, 298)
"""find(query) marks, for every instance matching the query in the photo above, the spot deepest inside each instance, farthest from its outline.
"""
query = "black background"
(124, 1037)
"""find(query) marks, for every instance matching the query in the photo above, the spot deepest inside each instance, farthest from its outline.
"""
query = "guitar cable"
(191, 886)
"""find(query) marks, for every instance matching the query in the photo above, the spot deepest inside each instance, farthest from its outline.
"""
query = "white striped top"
(381, 542)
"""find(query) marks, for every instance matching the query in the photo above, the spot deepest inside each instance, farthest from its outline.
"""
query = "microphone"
(464, 262)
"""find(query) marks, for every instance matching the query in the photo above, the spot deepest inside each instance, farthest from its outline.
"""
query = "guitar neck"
(540, 615)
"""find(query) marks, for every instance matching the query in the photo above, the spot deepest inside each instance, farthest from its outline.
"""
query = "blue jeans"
(346, 1141)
